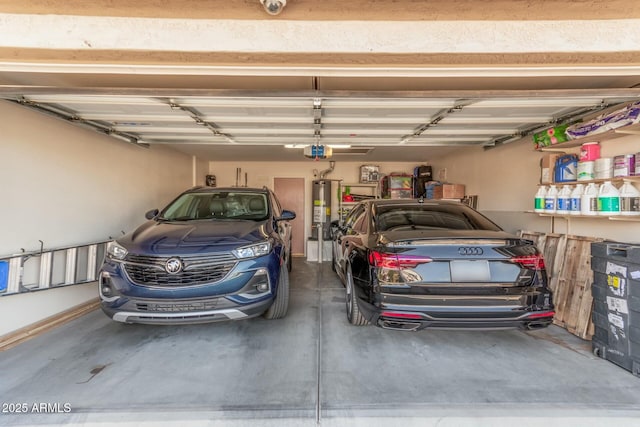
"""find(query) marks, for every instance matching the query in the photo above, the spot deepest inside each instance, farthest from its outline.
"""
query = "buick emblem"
(173, 266)
(470, 251)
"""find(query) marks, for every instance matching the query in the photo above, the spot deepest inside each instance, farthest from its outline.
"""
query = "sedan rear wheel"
(281, 302)
(354, 315)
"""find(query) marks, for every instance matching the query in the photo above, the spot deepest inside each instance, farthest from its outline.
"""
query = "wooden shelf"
(629, 218)
(604, 136)
(617, 179)
(625, 218)
(629, 130)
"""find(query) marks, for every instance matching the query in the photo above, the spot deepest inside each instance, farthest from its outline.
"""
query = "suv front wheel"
(281, 302)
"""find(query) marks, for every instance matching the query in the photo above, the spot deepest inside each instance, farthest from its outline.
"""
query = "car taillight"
(396, 261)
(535, 262)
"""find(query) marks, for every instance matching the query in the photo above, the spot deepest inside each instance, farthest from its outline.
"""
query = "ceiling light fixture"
(273, 7)
(306, 145)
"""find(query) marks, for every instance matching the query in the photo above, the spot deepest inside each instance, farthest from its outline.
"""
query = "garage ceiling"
(394, 81)
(360, 125)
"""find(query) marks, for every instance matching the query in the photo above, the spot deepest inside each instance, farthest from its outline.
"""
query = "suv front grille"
(197, 270)
(174, 307)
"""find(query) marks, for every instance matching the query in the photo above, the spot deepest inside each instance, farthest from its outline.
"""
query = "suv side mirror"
(286, 216)
(152, 214)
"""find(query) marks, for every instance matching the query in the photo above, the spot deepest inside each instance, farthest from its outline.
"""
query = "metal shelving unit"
(344, 207)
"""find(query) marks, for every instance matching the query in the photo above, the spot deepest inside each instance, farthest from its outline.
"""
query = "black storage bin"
(616, 307)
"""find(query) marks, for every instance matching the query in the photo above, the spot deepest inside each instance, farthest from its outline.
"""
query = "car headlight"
(114, 250)
(252, 251)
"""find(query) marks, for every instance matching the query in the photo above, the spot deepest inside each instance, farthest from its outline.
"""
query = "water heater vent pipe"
(324, 173)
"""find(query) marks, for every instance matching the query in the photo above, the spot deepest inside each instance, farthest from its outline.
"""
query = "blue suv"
(212, 254)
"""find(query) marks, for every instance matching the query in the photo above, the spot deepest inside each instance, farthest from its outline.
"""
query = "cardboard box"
(452, 191)
(547, 168)
(436, 193)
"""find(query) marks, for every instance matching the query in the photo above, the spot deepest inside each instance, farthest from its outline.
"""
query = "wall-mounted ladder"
(44, 269)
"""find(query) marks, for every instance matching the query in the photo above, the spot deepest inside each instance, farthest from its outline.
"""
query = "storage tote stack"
(400, 186)
(616, 310)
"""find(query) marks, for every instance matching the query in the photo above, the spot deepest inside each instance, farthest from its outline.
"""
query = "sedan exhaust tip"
(399, 326)
(532, 326)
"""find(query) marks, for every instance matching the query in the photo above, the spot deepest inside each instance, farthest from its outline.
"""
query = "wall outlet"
(442, 174)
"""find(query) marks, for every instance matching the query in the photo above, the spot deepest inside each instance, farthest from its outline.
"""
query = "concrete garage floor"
(309, 368)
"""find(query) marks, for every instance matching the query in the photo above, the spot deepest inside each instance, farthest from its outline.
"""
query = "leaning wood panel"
(582, 309)
(535, 236)
(552, 247)
(570, 289)
(553, 251)
(573, 299)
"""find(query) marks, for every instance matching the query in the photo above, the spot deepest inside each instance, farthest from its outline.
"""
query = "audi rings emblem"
(470, 251)
(173, 266)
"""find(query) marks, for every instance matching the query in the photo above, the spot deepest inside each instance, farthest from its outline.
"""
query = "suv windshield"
(452, 217)
(218, 205)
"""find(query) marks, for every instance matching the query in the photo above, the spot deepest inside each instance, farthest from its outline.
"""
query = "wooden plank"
(566, 279)
(537, 237)
(573, 297)
(583, 321)
(554, 248)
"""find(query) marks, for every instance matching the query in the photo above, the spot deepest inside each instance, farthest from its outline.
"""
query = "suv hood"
(174, 237)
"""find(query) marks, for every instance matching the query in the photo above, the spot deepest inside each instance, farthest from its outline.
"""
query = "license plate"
(470, 271)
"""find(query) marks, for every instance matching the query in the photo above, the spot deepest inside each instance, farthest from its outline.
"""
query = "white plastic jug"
(563, 206)
(629, 199)
(576, 195)
(550, 199)
(539, 199)
(608, 199)
(589, 200)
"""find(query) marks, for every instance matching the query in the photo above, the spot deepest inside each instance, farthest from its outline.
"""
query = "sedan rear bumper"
(392, 322)
(487, 318)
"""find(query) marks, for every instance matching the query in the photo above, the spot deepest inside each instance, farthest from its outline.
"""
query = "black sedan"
(413, 264)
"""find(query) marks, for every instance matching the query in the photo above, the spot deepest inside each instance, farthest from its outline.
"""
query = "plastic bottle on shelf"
(589, 200)
(564, 200)
(629, 199)
(576, 195)
(608, 199)
(550, 200)
(539, 199)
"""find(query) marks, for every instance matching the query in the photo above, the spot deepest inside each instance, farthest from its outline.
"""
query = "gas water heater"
(321, 199)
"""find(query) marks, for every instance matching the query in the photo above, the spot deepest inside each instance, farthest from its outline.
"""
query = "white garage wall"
(200, 171)
(260, 173)
(505, 179)
(66, 185)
